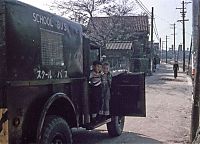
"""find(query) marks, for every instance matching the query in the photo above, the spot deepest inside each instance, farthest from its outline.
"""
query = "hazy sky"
(165, 14)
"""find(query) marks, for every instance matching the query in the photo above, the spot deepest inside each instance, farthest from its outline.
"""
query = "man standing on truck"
(96, 89)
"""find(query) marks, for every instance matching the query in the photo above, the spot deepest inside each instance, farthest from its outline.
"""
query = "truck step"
(97, 124)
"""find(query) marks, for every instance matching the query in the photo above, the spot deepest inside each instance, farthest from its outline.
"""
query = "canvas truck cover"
(41, 45)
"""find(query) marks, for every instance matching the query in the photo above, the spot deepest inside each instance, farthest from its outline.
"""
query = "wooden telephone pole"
(183, 12)
(174, 27)
(152, 50)
(166, 47)
(163, 50)
(160, 48)
(195, 105)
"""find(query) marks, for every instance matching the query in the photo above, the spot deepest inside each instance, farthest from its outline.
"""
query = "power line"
(143, 7)
(156, 30)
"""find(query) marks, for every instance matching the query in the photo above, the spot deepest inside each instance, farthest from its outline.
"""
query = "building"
(119, 53)
(116, 32)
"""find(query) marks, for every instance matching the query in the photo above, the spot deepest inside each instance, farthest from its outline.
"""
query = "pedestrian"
(106, 86)
(158, 63)
(95, 88)
(175, 69)
(154, 64)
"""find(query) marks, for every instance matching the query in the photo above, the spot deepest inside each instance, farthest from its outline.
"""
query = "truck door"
(128, 95)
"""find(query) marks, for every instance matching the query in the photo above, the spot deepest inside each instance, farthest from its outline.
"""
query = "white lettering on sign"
(59, 74)
(65, 74)
(49, 75)
(61, 26)
(41, 74)
(48, 22)
(42, 19)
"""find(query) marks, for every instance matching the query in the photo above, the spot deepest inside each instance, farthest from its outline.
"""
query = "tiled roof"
(119, 45)
(117, 27)
(134, 23)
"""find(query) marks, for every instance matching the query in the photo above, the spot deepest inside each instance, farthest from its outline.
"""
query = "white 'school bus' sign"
(47, 21)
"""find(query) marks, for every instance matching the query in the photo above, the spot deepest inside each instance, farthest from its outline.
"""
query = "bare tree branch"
(121, 8)
(79, 10)
(83, 11)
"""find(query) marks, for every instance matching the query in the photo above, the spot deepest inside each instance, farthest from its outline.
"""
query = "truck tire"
(115, 127)
(56, 131)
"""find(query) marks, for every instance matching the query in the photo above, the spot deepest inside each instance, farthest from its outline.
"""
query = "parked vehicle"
(44, 68)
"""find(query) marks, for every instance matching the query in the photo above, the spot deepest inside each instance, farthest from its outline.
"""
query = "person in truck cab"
(96, 88)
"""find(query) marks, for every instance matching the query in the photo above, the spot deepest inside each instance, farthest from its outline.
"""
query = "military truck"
(45, 63)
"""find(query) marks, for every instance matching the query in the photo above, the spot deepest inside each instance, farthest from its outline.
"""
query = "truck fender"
(46, 107)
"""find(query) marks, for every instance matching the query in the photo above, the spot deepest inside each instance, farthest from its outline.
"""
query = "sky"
(165, 14)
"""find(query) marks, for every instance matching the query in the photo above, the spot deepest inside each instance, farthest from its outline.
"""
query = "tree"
(79, 10)
(119, 8)
(83, 11)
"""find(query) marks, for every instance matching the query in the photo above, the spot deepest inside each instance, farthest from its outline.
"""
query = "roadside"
(169, 103)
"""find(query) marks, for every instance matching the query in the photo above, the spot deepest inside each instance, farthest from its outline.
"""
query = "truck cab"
(44, 71)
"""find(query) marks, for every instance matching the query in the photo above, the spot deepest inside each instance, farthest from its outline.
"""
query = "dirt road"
(168, 103)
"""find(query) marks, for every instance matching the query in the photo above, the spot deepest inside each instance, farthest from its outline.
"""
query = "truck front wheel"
(56, 131)
(115, 127)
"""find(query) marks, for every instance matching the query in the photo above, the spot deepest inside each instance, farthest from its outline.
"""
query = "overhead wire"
(156, 30)
(143, 7)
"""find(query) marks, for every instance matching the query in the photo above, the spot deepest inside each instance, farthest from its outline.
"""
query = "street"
(168, 105)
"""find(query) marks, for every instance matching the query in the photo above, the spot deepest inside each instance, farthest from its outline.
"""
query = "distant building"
(119, 53)
(125, 34)
(156, 49)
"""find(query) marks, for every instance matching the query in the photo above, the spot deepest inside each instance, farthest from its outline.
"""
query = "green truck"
(45, 63)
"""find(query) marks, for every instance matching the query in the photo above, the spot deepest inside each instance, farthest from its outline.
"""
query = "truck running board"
(92, 126)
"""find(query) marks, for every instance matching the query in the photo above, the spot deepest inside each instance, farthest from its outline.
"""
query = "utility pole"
(195, 105)
(183, 15)
(183, 12)
(162, 50)
(160, 43)
(179, 49)
(166, 48)
(174, 27)
(152, 50)
(190, 55)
